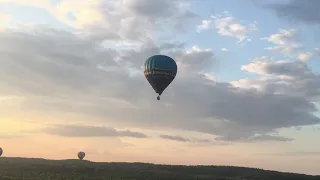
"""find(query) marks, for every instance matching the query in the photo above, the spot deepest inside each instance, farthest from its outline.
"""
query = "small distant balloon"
(1, 151)
(160, 71)
(81, 155)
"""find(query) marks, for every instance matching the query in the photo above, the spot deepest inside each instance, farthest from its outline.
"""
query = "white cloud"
(293, 78)
(127, 21)
(224, 49)
(205, 25)
(304, 56)
(227, 25)
(285, 41)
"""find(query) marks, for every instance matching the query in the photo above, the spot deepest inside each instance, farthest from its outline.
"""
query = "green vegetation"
(41, 169)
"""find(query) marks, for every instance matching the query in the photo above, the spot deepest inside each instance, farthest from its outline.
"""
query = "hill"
(42, 169)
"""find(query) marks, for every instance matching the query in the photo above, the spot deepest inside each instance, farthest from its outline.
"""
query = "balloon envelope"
(1, 151)
(81, 155)
(160, 70)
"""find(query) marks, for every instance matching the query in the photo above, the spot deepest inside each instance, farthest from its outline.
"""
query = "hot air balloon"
(81, 155)
(160, 70)
(1, 151)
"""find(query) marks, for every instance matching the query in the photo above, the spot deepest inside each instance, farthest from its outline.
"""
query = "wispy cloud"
(90, 131)
(183, 139)
(227, 25)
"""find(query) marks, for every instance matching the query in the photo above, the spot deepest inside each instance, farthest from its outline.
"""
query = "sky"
(246, 92)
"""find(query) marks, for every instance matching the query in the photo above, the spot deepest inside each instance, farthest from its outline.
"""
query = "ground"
(42, 169)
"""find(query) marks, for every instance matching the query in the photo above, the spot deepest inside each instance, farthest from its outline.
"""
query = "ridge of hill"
(15, 168)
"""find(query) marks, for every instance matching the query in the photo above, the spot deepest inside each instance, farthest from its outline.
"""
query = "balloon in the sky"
(1, 151)
(81, 155)
(160, 70)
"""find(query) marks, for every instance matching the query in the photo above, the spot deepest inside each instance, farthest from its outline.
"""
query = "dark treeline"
(41, 169)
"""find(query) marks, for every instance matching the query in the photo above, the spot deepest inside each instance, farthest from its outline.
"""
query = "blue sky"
(258, 107)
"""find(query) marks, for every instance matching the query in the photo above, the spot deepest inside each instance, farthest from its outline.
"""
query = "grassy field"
(41, 169)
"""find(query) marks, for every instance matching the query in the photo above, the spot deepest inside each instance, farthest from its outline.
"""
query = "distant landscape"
(42, 169)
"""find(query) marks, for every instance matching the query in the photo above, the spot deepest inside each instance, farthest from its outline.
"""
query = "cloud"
(122, 21)
(288, 43)
(305, 56)
(285, 41)
(292, 78)
(90, 131)
(175, 138)
(132, 19)
(56, 71)
(183, 139)
(270, 138)
(265, 66)
(224, 49)
(255, 138)
(298, 11)
(227, 25)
